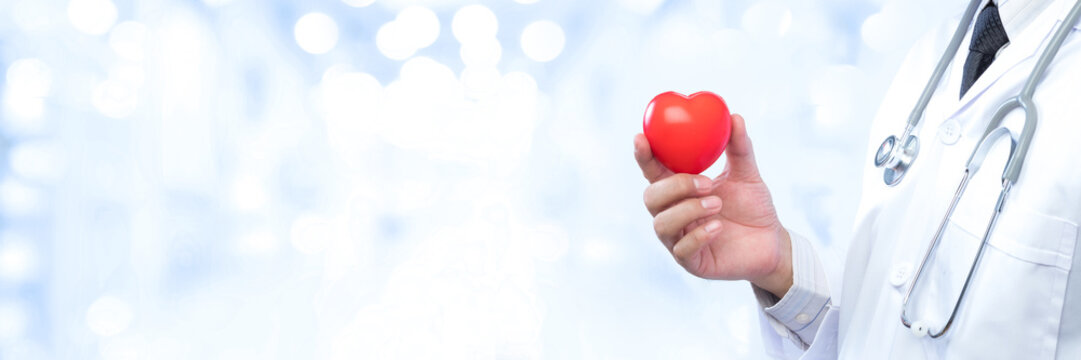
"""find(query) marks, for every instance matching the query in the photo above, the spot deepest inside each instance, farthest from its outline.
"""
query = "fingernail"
(711, 202)
(702, 183)
(712, 226)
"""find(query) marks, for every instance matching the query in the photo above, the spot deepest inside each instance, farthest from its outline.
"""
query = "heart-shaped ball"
(687, 133)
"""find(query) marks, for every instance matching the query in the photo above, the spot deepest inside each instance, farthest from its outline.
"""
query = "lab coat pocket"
(1013, 307)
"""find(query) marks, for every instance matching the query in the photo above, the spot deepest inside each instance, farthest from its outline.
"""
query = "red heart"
(687, 134)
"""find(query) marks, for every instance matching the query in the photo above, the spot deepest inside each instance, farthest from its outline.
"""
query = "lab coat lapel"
(1021, 47)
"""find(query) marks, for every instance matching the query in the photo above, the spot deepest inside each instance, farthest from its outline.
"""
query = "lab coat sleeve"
(798, 319)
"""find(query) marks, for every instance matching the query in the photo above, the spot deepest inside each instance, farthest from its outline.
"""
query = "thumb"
(741, 163)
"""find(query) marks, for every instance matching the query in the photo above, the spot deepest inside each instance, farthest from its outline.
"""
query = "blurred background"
(392, 179)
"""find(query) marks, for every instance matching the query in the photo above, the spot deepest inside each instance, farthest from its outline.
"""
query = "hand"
(725, 228)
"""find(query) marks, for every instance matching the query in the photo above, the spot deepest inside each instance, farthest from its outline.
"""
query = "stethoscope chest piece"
(896, 159)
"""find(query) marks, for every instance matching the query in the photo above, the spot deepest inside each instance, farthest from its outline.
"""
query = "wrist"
(779, 280)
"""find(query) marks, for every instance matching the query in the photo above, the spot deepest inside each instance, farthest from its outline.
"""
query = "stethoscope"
(896, 155)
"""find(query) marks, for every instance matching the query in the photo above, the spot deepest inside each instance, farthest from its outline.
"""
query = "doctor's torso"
(1017, 305)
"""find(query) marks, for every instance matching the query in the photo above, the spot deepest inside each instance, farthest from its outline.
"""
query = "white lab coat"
(1024, 301)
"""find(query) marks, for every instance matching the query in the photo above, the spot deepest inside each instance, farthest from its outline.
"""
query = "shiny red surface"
(687, 133)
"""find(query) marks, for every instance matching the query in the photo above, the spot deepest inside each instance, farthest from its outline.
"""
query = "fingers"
(669, 224)
(741, 163)
(652, 169)
(688, 247)
(670, 190)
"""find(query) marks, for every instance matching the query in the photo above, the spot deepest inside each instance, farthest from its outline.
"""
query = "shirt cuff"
(798, 315)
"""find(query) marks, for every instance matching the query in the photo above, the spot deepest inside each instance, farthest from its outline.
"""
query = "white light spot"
(598, 250)
(877, 32)
(415, 28)
(18, 260)
(549, 242)
(730, 41)
(543, 40)
(182, 47)
(786, 23)
(13, 322)
(217, 3)
(420, 104)
(474, 23)
(34, 15)
(36, 160)
(311, 234)
(767, 19)
(17, 198)
(168, 348)
(436, 77)
(358, 3)
(644, 7)
(392, 41)
(124, 347)
(351, 102)
(520, 84)
(832, 92)
(482, 52)
(25, 108)
(29, 81)
(93, 17)
(127, 73)
(480, 82)
(421, 24)
(249, 193)
(109, 316)
(316, 33)
(29, 77)
(350, 93)
(257, 243)
(678, 39)
(526, 1)
(115, 99)
(127, 40)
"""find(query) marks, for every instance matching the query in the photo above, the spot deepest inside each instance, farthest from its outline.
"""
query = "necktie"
(988, 36)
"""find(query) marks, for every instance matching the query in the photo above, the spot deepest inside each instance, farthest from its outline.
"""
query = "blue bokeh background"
(392, 179)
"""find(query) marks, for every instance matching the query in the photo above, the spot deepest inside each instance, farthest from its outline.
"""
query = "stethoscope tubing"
(940, 69)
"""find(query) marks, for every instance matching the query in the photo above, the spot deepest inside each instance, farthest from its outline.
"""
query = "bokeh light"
(29, 78)
(767, 18)
(37, 160)
(128, 39)
(224, 179)
(108, 316)
(474, 23)
(258, 243)
(643, 7)
(422, 25)
(217, 3)
(358, 3)
(414, 28)
(115, 99)
(13, 322)
(18, 259)
(310, 234)
(18, 198)
(543, 40)
(316, 33)
(93, 17)
(482, 53)
(29, 81)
